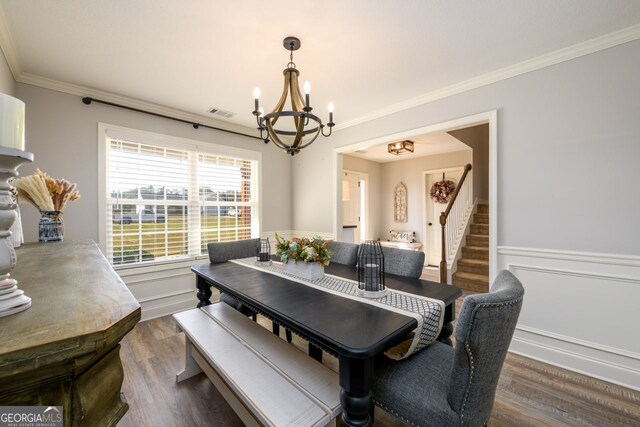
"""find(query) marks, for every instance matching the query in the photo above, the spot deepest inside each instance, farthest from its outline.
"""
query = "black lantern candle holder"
(264, 252)
(371, 270)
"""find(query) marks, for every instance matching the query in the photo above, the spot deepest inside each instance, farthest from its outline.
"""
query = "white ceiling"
(362, 55)
(425, 145)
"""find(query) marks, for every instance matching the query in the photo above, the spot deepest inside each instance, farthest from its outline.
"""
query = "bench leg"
(191, 368)
(288, 334)
(275, 328)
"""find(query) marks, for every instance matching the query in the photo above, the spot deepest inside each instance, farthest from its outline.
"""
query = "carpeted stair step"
(483, 209)
(475, 252)
(471, 282)
(480, 229)
(475, 266)
(481, 218)
(478, 240)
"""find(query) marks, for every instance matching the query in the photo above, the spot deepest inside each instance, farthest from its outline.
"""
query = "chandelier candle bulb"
(307, 90)
(330, 108)
(256, 95)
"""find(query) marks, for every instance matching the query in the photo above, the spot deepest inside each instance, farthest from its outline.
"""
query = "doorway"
(489, 117)
(432, 247)
(354, 206)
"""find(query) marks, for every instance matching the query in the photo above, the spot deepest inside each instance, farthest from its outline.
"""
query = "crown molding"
(8, 48)
(82, 91)
(581, 49)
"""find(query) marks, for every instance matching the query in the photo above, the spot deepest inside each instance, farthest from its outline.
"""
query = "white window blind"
(165, 203)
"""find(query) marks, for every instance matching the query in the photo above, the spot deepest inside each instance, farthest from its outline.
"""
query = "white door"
(351, 197)
(433, 245)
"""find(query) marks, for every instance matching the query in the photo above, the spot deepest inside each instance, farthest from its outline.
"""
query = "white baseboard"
(579, 309)
(167, 307)
(614, 367)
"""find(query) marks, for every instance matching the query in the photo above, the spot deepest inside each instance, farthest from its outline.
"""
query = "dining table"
(353, 331)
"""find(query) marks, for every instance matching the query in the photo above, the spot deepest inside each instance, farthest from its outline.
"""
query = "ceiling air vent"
(222, 113)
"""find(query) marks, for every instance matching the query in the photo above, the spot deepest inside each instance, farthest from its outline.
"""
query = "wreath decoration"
(442, 191)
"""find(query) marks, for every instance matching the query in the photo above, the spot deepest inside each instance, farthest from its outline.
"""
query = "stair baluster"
(450, 234)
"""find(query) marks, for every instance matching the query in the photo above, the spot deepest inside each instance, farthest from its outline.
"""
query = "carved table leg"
(204, 292)
(445, 334)
(447, 327)
(356, 376)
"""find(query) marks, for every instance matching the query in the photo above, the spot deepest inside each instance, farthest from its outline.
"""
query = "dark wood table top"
(342, 325)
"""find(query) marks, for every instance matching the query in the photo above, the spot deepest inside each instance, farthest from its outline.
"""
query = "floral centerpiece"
(309, 256)
(49, 196)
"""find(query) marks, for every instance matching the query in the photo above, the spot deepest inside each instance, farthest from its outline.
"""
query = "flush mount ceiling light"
(401, 147)
(298, 127)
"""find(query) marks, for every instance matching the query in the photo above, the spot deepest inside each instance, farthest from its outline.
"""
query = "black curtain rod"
(88, 100)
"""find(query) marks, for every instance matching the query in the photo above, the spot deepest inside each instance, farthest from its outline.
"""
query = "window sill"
(130, 270)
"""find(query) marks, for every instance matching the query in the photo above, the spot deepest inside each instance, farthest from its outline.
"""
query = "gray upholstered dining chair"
(403, 262)
(343, 252)
(224, 251)
(445, 386)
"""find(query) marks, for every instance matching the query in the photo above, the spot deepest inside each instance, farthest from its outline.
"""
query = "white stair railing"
(454, 220)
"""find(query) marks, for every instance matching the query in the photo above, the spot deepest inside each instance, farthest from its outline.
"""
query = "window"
(166, 199)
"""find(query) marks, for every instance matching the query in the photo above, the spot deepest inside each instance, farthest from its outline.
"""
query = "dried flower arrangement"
(44, 192)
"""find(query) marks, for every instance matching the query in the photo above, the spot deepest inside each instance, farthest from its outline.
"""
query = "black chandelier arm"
(328, 134)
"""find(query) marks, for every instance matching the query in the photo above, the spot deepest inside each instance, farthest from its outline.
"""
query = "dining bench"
(264, 379)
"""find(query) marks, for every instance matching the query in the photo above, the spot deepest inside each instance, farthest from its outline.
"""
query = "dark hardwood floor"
(530, 393)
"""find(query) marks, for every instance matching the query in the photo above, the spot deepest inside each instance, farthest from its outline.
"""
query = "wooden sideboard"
(64, 350)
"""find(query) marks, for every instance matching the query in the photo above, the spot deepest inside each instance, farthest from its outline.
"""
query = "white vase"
(304, 270)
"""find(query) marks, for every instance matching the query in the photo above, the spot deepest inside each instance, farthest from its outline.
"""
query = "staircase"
(473, 268)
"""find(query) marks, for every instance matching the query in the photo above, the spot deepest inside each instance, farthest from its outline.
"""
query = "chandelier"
(294, 129)
(401, 147)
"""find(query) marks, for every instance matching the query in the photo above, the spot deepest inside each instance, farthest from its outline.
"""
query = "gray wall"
(62, 133)
(477, 137)
(7, 84)
(568, 147)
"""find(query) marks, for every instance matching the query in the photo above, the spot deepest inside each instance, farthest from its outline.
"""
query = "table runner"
(428, 312)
